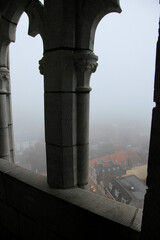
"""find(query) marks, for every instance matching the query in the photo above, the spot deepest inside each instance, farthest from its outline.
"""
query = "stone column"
(151, 212)
(69, 28)
(86, 63)
(10, 122)
(9, 114)
(4, 138)
(60, 94)
(60, 119)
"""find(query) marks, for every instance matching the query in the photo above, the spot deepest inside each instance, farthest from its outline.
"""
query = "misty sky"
(126, 46)
(122, 87)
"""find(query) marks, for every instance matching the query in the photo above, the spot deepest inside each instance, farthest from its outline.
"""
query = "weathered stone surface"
(59, 24)
(85, 65)
(35, 12)
(89, 14)
(61, 166)
(4, 143)
(8, 31)
(67, 30)
(9, 218)
(4, 53)
(83, 118)
(2, 188)
(13, 9)
(33, 230)
(82, 164)
(4, 135)
(59, 71)
(80, 212)
(7, 34)
(60, 117)
(3, 112)
(4, 80)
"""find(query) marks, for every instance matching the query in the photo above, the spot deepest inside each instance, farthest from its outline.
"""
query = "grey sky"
(123, 84)
(26, 81)
(126, 46)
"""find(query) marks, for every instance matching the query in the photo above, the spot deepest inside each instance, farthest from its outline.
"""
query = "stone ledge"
(29, 194)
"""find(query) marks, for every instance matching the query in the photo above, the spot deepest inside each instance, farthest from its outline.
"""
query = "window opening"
(27, 99)
(122, 102)
(42, 1)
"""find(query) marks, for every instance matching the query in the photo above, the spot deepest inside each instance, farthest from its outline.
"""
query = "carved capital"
(41, 66)
(4, 80)
(86, 64)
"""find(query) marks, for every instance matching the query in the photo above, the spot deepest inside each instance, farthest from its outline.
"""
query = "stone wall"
(30, 209)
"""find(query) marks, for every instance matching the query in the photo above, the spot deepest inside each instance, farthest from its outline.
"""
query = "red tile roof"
(116, 158)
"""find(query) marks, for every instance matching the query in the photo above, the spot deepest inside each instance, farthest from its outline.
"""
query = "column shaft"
(86, 64)
(60, 119)
(4, 138)
(82, 138)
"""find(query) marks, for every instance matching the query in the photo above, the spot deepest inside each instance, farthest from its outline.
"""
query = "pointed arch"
(10, 13)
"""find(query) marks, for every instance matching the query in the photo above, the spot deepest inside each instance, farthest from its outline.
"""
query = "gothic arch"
(89, 15)
(11, 12)
(69, 60)
(10, 15)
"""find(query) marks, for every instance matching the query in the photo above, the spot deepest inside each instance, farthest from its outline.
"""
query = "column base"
(85, 187)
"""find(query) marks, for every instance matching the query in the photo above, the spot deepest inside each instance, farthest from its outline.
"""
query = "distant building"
(20, 146)
(139, 171)
(129, 190)
(114, 170)
(120, 177)
(94, 186)
(126, 159)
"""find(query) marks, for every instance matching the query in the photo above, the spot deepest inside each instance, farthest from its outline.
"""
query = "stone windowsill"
(32, 189)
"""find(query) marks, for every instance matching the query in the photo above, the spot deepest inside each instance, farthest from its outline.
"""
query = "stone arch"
(90, 14)
(116, 104)
(69, 41)
(69, 60)
(10, 13)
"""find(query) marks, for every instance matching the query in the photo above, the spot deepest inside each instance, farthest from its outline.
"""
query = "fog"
(27, 84)
(122, 87)
(126, 45)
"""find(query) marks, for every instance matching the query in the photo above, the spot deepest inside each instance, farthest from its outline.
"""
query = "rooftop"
(116, 158)
(134, 185)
